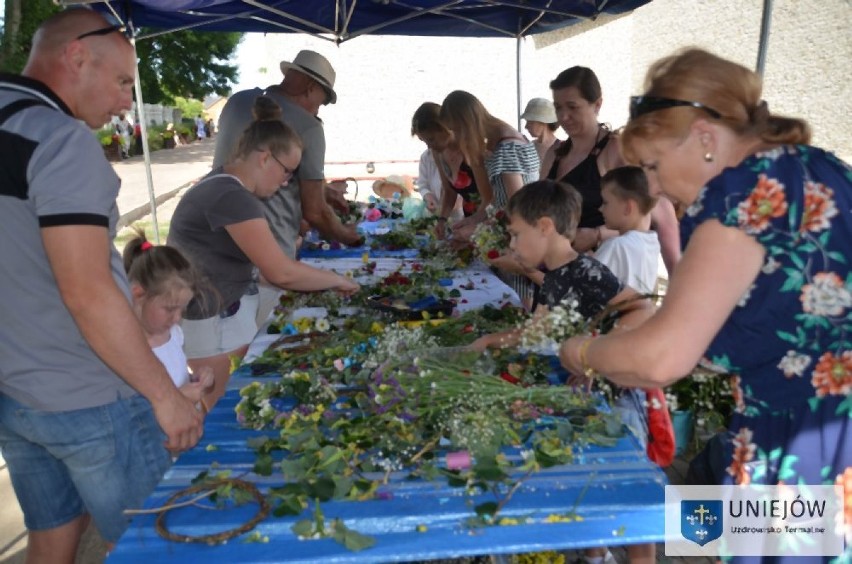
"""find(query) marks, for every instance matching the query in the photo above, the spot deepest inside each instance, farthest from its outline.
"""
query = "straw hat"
(315, 66)
(539, 109)
(386, 187)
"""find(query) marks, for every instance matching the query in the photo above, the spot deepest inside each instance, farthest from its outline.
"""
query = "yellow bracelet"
(588, 371)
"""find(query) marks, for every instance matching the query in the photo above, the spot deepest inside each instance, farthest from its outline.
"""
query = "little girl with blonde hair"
(162, 283)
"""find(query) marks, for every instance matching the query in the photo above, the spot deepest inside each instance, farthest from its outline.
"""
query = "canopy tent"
(342, 20)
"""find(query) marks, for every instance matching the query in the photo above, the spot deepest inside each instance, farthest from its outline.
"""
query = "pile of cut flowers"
(339, 353)
(491, 237)
(435, 414)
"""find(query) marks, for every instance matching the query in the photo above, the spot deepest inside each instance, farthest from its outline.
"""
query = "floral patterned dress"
(464, 185)
(787, 343)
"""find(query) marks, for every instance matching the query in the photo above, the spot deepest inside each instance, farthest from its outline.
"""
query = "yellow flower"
(365, 258)
(303, 324)
(248, 390)
(560, 518)
(317, 414)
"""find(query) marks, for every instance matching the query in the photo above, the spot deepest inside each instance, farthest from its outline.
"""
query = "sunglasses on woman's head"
(640, 105)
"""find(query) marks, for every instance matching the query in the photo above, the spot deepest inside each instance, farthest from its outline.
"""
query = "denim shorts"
(101, 460)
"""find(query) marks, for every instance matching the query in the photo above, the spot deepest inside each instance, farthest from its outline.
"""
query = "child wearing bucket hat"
(541, 124)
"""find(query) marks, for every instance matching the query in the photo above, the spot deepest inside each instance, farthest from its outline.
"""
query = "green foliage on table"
(355, 338)
(343, 443)
(708, 396)
(393, 240)
(337, 530)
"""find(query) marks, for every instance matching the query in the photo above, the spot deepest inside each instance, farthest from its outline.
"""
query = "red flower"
(743, 454)
(396, 279)
(833, 374)
(819, 207)
(766, 201)
(462, 180)
(469, 208)
(493, 254)
(509, 378)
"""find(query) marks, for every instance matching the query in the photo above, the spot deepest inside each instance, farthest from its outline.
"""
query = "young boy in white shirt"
(633, 258)
(633, 255)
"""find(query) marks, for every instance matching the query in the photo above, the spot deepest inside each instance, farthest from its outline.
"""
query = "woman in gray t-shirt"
(220, 225)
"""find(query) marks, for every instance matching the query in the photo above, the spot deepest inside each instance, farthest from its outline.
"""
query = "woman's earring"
(708, 157)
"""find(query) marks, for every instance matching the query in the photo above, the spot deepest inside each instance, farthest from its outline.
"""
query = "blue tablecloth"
(367, 228)
(415, 520)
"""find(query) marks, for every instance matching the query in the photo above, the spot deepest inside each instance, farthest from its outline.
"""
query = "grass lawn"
(127, 233)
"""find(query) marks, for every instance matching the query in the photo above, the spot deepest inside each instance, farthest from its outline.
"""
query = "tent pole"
(518, 81)
(764, 36)
(143, 125)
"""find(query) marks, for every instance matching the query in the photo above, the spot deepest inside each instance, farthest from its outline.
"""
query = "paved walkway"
(171, 170)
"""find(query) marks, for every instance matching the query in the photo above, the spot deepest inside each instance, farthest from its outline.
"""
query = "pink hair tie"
(145, 246)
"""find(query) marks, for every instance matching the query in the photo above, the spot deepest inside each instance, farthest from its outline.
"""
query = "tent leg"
(140, 107)
(764, 36)
(518, 80)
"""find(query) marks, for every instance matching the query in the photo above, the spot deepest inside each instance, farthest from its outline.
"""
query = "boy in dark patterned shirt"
(543, 220)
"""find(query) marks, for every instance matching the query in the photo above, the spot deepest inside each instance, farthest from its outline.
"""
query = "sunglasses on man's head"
(114, 25)
(102, 31)
(640, 105)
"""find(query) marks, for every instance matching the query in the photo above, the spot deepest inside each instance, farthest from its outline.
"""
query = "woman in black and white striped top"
(502, 159)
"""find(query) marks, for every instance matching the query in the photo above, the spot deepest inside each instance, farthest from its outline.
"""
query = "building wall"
(381, 80)
(808, 71)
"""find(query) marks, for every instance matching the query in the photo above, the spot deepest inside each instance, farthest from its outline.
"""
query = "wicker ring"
(216, 538)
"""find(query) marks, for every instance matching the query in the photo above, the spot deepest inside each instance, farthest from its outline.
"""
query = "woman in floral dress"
(457, 177)
(764, 288)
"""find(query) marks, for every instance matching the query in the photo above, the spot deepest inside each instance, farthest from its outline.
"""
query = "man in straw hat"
(308, 84)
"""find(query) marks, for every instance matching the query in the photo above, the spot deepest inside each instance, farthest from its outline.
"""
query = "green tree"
(188, 64)
(20, 20)
(189, 107)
